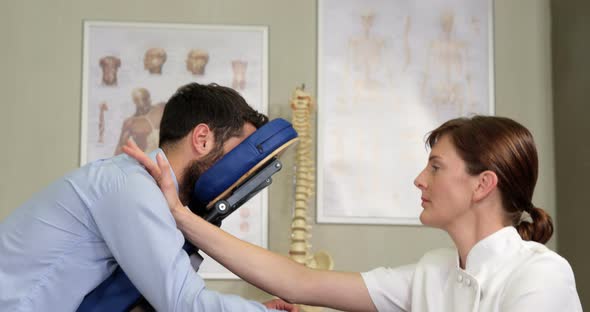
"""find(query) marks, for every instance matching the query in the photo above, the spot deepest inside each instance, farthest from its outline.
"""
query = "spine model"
(300, 250)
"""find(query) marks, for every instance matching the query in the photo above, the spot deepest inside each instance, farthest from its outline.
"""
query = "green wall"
(571, 85)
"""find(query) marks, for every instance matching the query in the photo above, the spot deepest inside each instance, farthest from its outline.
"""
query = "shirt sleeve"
(546, 284)
(141, 233)
(390, 288)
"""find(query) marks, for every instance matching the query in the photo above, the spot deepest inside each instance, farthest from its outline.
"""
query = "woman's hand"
(279, 304)
(160, 172)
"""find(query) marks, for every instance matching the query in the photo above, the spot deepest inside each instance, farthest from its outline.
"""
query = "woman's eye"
(434, 167)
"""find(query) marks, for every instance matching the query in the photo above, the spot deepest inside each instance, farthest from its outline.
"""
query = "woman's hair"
(507, 148)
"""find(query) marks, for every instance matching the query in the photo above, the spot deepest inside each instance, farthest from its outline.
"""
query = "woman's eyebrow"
(433, 157)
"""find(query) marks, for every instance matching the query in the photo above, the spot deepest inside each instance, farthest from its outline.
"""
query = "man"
(70, 237)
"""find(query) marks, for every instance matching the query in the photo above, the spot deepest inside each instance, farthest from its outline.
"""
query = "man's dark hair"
(221, 108)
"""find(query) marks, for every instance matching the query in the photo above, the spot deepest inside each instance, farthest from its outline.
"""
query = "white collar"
(489, 252)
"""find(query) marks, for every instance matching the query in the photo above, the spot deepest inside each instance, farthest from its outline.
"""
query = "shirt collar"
(492, 249)
(153, 154)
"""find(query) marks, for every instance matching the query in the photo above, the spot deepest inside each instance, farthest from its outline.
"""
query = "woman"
(477, 186)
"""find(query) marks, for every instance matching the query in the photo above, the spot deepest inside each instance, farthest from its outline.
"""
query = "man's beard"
(194, 170)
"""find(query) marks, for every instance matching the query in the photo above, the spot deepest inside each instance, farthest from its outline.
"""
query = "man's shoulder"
(130, 167)
(122, 187)
(134, 176)
(112, 175)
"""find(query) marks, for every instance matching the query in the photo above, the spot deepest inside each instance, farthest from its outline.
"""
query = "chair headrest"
(242, 160)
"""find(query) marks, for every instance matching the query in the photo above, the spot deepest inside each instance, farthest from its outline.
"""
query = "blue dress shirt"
(67, 239)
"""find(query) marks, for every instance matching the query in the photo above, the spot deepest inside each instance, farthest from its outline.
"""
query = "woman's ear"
(486, 183)
(202, 140)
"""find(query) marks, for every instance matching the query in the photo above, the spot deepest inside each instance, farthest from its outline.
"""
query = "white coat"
(503, 273)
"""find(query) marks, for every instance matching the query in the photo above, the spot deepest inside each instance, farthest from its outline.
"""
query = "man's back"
(53, 253)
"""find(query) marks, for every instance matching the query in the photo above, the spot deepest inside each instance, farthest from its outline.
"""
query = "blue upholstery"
(116, 294)
(233, 165)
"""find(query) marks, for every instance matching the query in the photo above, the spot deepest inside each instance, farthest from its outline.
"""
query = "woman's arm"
(271, 272)
(275, 273)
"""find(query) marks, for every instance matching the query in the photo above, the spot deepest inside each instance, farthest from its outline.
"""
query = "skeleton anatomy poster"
(390, 71)
(132, 69)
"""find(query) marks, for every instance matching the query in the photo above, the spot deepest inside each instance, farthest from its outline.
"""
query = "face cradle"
(232, 142)
(198, 166)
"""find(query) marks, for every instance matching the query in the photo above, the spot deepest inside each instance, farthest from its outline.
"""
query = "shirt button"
(459, 278)
(467, 282)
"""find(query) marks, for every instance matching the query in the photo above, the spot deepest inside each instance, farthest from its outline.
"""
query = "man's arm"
(139, 230)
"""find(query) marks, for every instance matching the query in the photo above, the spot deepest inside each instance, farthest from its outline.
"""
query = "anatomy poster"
(390, 71)
(130, 71)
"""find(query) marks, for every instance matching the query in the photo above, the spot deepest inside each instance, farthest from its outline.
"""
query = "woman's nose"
(419, 181)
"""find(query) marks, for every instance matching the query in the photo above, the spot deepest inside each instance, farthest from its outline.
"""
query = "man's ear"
(486, 183)
(202, 139)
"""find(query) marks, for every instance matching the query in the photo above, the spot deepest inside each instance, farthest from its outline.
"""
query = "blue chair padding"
(241, 159)
(115, 294)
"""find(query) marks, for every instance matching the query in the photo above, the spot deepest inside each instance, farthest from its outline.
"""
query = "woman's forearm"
(274, 273)
(271, 272)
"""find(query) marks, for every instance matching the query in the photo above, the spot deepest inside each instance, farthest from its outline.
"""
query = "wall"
(41, 83)
(570, 27)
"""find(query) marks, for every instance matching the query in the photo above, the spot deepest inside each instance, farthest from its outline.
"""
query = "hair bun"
(540, 230)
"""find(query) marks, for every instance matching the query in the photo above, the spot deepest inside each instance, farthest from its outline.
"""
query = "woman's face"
(446, 186)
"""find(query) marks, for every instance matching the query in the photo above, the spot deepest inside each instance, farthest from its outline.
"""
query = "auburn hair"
(507, 148)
